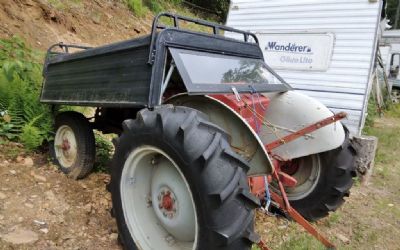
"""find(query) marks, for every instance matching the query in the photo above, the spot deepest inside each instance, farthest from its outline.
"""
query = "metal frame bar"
(306, 130)
(176, 18)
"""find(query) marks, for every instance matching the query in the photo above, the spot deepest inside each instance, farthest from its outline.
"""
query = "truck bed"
(114, 75)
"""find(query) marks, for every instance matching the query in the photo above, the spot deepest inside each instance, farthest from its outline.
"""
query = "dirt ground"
(42, 23)
(40, 208)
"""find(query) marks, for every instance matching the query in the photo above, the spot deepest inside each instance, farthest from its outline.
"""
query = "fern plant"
(20, 80)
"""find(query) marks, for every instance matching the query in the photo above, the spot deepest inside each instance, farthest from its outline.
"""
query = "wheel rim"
(65, 146)
(307, 172)
(157, 203)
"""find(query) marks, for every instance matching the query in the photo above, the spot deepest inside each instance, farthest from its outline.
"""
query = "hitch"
(281, 202)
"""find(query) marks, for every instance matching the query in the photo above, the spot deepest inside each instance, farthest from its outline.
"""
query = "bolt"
(153, 161)
(149, 202)
(170, 216)
(160, 206)
(131, 181)
(165, 214)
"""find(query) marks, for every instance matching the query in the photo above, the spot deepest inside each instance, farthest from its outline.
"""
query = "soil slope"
(45, 22)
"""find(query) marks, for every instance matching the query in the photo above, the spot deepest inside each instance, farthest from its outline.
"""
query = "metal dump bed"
(131, 73)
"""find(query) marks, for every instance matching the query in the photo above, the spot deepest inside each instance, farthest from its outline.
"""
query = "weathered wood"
(366, 148)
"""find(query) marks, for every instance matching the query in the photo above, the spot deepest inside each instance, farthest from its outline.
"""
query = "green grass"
(301, 241)
(137, 7)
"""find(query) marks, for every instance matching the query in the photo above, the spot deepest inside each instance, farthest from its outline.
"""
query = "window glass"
(206, 68)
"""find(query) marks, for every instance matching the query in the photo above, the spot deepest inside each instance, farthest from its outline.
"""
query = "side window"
(394, 66)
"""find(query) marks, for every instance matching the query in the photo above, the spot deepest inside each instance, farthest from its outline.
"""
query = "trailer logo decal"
(298, 51)
(289, 47)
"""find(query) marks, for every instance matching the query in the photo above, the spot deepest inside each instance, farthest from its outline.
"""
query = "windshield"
(206, 68)
(204, 72)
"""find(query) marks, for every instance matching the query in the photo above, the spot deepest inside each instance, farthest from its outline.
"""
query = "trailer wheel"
(73, 148)
(176, 184)
(323, 181)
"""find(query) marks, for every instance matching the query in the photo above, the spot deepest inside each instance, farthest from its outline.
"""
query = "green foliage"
(104, 151)
(21, 114)
(372, 114)
(137, 7)
(218, 7)
(391, 11)
(154, 6)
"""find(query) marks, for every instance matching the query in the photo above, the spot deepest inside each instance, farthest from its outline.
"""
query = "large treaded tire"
(334, 183)
(86, 147)
(215, 174)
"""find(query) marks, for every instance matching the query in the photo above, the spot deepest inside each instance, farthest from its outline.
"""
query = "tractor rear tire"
(332, 184)
(73, 149)
(178, 147)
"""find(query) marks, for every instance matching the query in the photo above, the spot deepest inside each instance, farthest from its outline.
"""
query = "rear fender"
(294, 111)
(243, 139)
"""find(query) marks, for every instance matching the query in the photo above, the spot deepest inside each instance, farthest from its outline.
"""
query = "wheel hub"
(167, 203)
(306, 171)
(175, 208)
(65, 146)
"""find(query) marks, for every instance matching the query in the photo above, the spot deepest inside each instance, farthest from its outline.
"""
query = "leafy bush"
(154, 6)
(104, 151)
(21, 114)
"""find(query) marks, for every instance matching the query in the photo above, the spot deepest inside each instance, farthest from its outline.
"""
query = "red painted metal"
(257, 186)
(287, 180)
(306, 130)
(167, 202)
(65, 146)
(241, 107)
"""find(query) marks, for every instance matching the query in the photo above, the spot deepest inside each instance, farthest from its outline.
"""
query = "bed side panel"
(120, 77)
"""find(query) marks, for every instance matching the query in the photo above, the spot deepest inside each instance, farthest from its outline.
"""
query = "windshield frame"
(203, 88)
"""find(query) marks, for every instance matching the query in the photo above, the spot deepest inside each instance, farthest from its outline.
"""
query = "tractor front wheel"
(176, 184)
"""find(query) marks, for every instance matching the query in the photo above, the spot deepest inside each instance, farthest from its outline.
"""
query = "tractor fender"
(243, 138)
(293, 111)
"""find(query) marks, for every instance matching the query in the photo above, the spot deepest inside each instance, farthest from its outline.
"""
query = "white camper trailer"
(323, 48)
(390, 53)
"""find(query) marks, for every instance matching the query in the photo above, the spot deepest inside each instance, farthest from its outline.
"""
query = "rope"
(267, 194)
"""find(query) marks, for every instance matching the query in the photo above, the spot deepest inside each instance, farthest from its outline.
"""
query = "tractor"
(206, 133)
